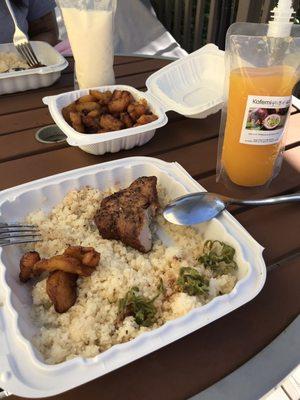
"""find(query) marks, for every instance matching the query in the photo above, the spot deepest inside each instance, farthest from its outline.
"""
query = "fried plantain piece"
(120, 101)
(117, 106)
(117, 94)
(77, 122)
(102, 97)
(110, 123)
(88, 106)
(63, 263)
(94, 113)
(87, 255)
(87, 99)
(137, 109)
(91, 124)
(91, 259)
(66, 112)
(61, 288)
(127, 121)
(27, 262)
(103, 110)
(146, 119)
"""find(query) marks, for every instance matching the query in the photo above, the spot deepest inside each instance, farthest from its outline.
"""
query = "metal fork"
(14, 233)
(21, 42)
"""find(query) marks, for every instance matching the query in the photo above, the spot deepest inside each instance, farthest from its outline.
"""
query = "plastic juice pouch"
(263, 66)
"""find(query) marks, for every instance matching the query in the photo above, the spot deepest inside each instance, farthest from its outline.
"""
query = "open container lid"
(191, 85)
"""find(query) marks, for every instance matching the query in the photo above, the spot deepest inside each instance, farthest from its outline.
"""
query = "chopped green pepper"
(218, 256)
(191, 282)
(141, 308)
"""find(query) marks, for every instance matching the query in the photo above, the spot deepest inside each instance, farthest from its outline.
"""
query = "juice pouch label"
(264, 120)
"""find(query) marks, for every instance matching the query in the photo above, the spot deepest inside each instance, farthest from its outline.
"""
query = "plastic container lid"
(191, 85)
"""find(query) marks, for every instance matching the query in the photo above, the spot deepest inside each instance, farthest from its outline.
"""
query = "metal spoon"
(202, 206)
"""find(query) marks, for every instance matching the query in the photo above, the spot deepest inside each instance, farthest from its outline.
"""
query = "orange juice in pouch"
(262, 69)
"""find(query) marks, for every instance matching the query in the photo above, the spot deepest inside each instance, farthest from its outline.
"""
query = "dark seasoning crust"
(126, 215)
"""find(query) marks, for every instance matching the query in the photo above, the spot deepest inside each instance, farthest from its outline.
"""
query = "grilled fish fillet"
(126, 215)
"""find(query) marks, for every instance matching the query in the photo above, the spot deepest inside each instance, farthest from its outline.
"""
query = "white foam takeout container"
(18, 81)
(22, 370)
(192, 86)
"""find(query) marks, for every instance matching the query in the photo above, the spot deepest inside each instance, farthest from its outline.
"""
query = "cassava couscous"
(184, 271)
(12, 62)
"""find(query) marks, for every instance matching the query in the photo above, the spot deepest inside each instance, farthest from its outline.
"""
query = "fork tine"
(15, 233)
(28, 231)
(6, 230)
(33, 54)
(17, 230)
(16, 225)
(8, 235)
(28, 51)
(19, 51)
(28, 55)
(7, 242)
(23, 54)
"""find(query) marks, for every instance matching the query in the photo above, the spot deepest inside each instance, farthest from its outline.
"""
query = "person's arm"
(44, 29)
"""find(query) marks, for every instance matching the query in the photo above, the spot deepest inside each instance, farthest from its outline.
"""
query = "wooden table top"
(200, 359)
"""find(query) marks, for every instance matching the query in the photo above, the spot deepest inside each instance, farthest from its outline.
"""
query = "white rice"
(89, 327)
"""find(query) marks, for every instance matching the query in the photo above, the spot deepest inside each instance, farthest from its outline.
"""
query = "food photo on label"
(266, 118)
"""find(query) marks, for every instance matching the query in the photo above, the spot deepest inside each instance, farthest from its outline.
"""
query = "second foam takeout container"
(191, 86)
(22, 369)
(18, 81)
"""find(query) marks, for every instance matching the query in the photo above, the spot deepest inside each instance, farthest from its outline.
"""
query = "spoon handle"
(271, 200)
